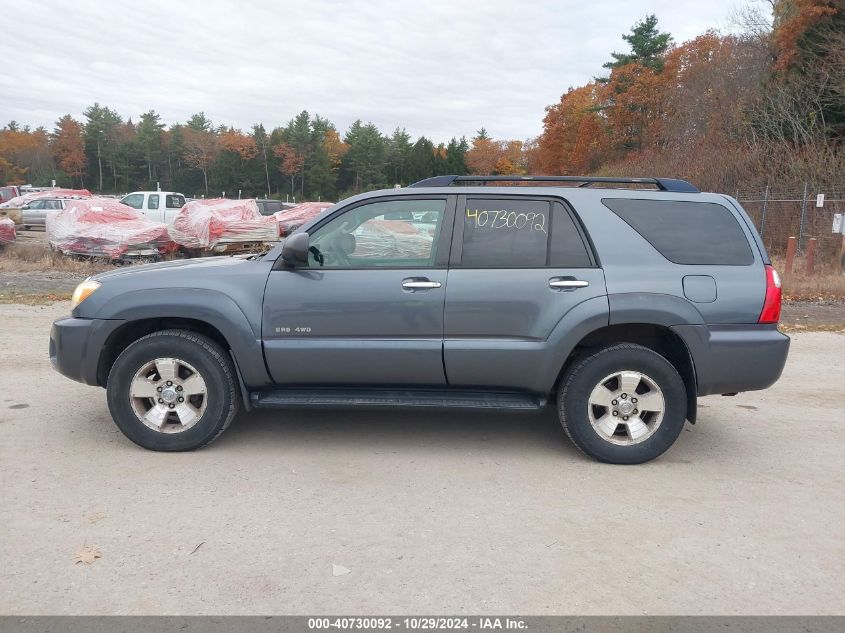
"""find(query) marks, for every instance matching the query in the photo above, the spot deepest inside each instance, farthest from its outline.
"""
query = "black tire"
(587, 373)
(209, 359)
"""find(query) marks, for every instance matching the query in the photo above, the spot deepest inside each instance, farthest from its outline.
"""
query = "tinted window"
(152, 201)
(504, 233)
(686, 232)
(175, 201)
(134, 200)
(398, 233)
(269, 207)
(567, 248)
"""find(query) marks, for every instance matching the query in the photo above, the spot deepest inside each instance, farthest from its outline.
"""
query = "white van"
(160, 206)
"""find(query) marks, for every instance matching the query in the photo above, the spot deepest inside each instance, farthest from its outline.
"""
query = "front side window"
(134, 200)
(394, 233)
(152, 201)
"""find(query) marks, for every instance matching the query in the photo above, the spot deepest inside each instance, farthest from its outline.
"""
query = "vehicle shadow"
(399, 430)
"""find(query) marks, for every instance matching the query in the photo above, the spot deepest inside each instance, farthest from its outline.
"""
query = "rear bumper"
(734, 358)
(75, 346)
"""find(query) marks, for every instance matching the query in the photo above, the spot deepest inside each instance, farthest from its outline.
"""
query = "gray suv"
(617, 301)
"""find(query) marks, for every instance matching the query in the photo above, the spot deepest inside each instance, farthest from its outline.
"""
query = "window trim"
(443, 246)
(458, 234)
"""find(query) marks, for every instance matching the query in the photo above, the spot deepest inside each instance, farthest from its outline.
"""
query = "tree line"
(763, 105)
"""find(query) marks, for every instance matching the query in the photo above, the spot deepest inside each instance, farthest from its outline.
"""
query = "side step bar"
(419, 398)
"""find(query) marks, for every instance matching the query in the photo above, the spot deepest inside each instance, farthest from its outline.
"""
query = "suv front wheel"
(625, 404)
(173, 390)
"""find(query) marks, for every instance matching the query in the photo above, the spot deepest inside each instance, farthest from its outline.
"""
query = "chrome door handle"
(568, 283)
(420, 285)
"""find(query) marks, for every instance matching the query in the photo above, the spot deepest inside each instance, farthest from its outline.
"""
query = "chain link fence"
(780, 214)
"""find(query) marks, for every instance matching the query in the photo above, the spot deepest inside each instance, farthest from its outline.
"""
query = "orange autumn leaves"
(639, 108)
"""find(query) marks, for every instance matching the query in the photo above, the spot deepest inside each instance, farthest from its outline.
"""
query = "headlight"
(82, 292)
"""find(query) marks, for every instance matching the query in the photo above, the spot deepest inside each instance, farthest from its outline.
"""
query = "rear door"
(172, 203)
(517, 266)
(152, 207)
(368, 307)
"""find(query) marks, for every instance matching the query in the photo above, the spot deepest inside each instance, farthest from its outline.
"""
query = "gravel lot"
(400, 512)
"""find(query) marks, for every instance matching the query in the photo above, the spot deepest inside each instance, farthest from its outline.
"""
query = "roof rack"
(663, 184)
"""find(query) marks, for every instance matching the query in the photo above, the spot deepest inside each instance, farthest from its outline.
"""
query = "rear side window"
(697, 233)
(505, 233)
(509, 233)
(175, 201)
(566, 248)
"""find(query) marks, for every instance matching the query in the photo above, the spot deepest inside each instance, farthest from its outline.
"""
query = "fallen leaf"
(87, 554)
(97, 516)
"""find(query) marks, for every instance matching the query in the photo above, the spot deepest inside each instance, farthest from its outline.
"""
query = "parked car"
(158, 206)
(222, 225)
(34, 213)
(105, 228)
(8, 192)
(269, 207)
(619, 307)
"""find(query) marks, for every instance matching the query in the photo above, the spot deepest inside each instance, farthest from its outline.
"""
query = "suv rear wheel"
(625, 404)
(172, 390)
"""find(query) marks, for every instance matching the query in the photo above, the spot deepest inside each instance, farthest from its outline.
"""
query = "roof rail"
(663, 184)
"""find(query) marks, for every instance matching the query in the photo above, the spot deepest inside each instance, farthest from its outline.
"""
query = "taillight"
(771, 306)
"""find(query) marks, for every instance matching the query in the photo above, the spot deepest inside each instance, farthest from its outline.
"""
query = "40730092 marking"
(507, 219)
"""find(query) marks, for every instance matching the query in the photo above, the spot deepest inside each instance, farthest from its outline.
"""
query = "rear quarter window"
(175, 201)
(695, 233)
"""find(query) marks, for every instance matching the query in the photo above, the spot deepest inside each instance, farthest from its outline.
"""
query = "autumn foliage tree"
(292, 162)
(68, 147)
(201, 148)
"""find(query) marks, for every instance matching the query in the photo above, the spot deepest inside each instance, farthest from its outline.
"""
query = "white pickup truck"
(160, 206)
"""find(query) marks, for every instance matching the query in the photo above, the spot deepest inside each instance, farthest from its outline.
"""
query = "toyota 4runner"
(619, 301)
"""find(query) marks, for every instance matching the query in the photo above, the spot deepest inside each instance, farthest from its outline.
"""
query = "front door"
(368, 307)
(518, 266)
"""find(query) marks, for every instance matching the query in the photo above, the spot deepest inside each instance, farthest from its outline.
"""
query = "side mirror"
(295, 249)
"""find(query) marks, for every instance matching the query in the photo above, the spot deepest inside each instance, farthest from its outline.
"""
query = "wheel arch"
(131, 331)
(207, 312)
(659, 338)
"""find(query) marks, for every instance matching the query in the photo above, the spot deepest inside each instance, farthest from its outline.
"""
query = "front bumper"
(734, 358)
(76, 344)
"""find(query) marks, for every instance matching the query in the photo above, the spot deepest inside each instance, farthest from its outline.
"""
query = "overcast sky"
(441, 68)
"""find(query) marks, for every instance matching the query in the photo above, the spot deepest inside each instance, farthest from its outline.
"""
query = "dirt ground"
(398, 512)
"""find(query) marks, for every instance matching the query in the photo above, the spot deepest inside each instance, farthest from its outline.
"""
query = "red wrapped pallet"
(205, 223)
(392, 238)
(7, 231)
(291, 219)
(102, 227)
